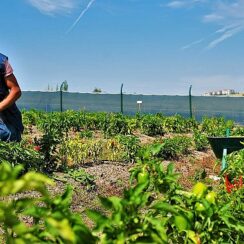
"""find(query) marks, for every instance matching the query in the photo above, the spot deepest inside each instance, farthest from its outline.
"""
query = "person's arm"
(14, 92)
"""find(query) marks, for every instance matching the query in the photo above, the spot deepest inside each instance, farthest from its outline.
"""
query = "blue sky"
(152, 46)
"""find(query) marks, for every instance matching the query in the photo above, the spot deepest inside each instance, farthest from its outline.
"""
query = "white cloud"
(183, 3)
(212, 18)
(227, 34)
(54, 6)
(176, 4)
(192, 44)
(228, 15)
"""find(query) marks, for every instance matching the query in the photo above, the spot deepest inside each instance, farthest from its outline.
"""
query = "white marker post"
(139, 105)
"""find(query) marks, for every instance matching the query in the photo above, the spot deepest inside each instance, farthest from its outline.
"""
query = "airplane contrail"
(80, 16)
(192, 44)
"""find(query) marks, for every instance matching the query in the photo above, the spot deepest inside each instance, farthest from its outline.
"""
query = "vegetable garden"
(80, 177)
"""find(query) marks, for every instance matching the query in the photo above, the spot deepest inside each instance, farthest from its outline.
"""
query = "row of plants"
(48, 154)
(112, 124)
(71, 152)
(121, 148)
(59, 148)
(154, 209)
(56, 150)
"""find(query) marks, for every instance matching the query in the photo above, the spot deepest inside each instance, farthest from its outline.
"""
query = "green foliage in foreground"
(53, 222)
(155, 209)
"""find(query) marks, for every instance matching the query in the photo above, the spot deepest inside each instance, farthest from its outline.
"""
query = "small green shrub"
(173, 148)
(21, 153)
(131, 146)
(238, 131)
(216, 126)
(178, 124)
(114, 124)
(200, 140)
(152, 125)
(235, 164)
(84, 178)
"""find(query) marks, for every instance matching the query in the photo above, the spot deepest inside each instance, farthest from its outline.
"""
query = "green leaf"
(21, 229)
(181, 222)
(116, 202)
(61, 228)
(170, 169)
(156, 149)
(159, 225)
(163, 206)
(100, 220)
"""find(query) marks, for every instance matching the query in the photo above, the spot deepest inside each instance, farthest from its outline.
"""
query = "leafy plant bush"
(131, 146)
(216, 126)
(152, 125)
(173, 148)
(235, 164)
(84, 178)
(47, 146)
(115, 124)
(19, 153)
(238, 131)
(78, 151)
(200, 140)
(94, 121)
(31, 117)
(178, 124)
(55, 123)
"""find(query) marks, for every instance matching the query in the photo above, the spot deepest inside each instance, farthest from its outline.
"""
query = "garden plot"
(146, 170)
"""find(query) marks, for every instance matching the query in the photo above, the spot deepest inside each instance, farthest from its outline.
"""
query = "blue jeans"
(9, 133)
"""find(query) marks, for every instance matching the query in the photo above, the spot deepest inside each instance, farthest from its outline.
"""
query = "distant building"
(225, 92)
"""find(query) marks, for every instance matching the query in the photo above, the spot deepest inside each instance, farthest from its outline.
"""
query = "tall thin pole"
(61, 97)
(190, 101)
(61, 100)
(121, 99)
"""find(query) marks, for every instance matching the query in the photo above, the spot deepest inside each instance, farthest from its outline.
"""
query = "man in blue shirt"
(11, 126)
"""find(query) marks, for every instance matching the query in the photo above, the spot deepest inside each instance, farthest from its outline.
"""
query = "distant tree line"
(63, 87)
(97, 90)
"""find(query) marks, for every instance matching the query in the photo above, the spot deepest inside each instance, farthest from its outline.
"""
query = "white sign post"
(139, 105)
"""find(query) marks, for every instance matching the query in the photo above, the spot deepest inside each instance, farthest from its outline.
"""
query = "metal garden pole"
(190, 102)
(121, 99)
(61, 97)
(61, 100)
